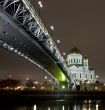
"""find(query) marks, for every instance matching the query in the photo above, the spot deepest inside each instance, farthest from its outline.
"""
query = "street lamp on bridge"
(52, 28)
(58, 41)
(40, 6)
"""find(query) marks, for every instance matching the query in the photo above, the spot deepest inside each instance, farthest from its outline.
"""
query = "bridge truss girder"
(33, 26)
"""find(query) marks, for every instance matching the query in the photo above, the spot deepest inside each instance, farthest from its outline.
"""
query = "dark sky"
(79, 23)
(19, 68)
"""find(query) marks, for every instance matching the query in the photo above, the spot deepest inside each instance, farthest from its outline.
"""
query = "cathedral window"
(80, 75)
(91, 77)
(74, 60)
(77, 60)
(85, 63)
(71, 60)
(86, 75)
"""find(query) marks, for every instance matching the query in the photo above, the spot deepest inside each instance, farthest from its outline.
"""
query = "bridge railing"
(52, 46)
(34, 14)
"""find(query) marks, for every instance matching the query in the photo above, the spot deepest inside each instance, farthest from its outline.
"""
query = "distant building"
(78, 68)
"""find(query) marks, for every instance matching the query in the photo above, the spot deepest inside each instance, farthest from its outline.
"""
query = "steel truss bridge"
(23, 33)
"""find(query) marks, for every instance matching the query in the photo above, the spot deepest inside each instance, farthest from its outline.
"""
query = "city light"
(63, 87)
(45, 77)
(33, 87)
(11, 48)
(27, 78)
(19, 53)
(10, 76)
(49, 108)
(63, 107)
(35, 107)
(35, 82)
(15, 51)
(97, 106)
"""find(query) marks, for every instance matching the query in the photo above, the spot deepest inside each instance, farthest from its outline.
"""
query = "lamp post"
(51, 30)
(40, 6)
(58, 41)
(45, 83)
(97, 77)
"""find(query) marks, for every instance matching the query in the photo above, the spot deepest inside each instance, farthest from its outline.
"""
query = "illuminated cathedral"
(78, 68)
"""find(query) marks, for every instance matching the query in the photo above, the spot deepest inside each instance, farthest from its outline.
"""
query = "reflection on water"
(60, 105)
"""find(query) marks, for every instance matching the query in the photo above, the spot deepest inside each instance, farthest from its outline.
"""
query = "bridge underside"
(15, 39)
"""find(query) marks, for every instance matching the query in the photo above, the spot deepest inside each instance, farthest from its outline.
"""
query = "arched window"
(91, 76)
(71, 60)
(77, 60)
(68, 61)
(86, 75)
(74, 60)
(80, 75)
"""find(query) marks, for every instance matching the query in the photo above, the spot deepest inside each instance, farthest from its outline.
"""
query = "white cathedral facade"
(78, 68)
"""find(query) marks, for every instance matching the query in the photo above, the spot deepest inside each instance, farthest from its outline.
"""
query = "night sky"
(79, 23)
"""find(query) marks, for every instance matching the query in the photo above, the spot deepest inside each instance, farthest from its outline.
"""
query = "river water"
(58, 105)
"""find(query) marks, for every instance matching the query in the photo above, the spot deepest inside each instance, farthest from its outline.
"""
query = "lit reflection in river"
(59, 105)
